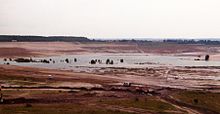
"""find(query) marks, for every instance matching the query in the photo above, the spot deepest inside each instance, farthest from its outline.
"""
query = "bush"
(28, 105)
(93, 62)
(107, 61)
(207, 57)
(196, 101)
(67, 60)
(75, 60)
(136, 99)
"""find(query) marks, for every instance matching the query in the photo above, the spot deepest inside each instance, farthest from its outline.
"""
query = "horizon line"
(123, 38)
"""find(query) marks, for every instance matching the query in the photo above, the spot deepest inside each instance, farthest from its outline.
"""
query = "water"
(131, 60)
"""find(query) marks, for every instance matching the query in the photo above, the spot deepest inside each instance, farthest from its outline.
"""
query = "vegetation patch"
(55, 109)
(150, 103)
(205, 100)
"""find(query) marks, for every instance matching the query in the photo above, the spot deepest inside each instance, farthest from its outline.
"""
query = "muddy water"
(130, 61)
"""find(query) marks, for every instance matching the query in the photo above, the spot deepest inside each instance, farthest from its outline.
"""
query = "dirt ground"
(151, 93)
(59, 48)
(153, 90)
(11, 49)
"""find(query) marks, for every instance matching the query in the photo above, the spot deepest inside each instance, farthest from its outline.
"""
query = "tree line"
(205, 42)
(18, 38)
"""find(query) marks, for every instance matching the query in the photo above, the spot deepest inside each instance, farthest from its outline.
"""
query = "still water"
(130, 60)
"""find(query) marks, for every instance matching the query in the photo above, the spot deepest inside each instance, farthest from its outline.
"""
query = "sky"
(112, 18)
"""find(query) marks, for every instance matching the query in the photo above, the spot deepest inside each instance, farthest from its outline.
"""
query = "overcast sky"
(112, 18)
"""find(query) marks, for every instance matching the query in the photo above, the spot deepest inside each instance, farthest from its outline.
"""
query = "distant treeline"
(205, 42)
(20, 38)
(17, 38)
(123, 41)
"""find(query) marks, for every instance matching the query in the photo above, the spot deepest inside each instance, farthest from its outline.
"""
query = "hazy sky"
(111, 18)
